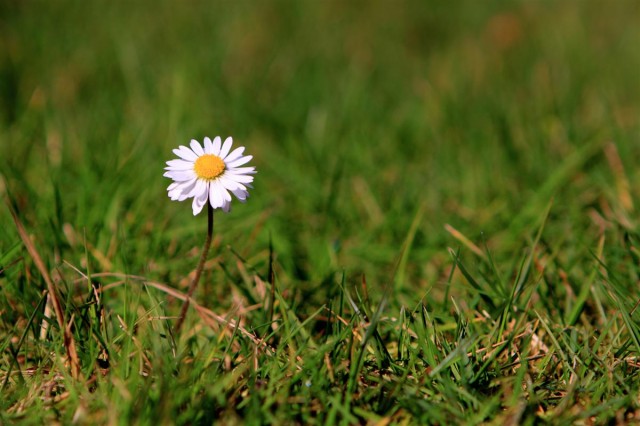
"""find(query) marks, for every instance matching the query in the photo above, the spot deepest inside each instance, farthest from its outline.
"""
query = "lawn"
(443, 227)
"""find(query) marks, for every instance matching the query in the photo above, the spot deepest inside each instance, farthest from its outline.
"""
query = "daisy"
(211, 174)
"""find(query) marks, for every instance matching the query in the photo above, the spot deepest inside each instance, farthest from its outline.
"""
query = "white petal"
(226, 147)
(218, 195)
(180, 163)
(240, 178)
(216, 145)
(208, 146)
(186, 186)
(242, 170)
(174, 189)
(204, 196)
(226, 207)
(230, 184)
(200, 201)
(225, 194)
(195, 146)
(236, 153)
(240, 161)
(175, 169)
(197, 206)
(214, 199)
(180, 175)
(183, 196)
(241, 195)
(174, 194)
(182, 190)
(185, 153)
(177, 196)
(198, 189)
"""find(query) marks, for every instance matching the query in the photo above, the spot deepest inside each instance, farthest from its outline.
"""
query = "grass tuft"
(443, 228)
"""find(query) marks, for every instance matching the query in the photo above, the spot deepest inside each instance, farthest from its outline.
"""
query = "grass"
(443, 230)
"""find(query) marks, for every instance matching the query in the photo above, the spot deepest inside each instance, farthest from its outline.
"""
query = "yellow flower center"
(209, 166)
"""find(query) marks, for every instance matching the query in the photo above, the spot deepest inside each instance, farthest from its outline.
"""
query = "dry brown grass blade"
(622, 182)
(72, 353)
(464, 240)
(69, 342)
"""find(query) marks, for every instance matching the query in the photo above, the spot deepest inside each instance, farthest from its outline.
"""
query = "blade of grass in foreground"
(69, 341)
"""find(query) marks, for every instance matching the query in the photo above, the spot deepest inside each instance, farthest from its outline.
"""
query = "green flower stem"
(203, 259)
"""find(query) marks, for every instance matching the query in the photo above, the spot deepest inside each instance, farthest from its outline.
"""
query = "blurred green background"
(363, 118)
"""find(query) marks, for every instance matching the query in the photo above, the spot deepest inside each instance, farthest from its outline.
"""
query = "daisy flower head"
(210, 173)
